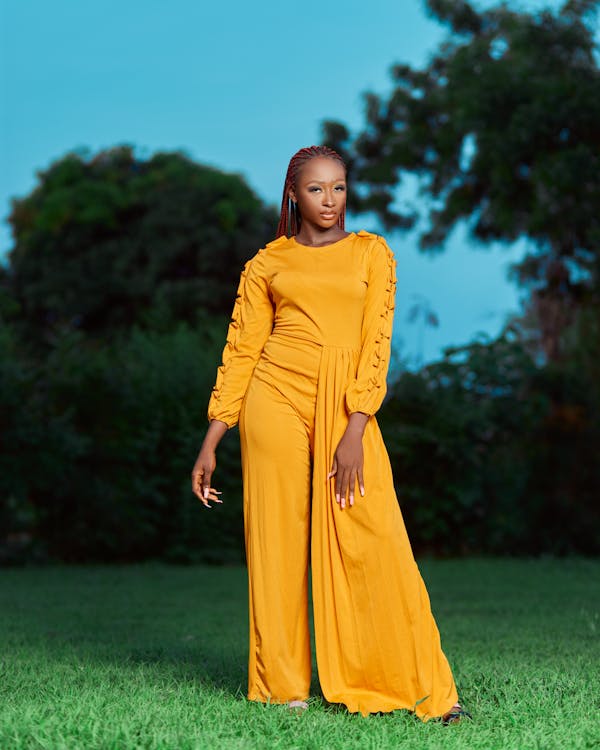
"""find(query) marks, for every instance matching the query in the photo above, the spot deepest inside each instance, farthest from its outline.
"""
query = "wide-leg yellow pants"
(377, 643)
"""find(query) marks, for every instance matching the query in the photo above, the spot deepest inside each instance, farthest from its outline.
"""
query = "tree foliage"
(493, 453)
(502, 129)
(97, 446)
(108, 241)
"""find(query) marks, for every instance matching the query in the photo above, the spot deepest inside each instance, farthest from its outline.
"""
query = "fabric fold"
(378, 646)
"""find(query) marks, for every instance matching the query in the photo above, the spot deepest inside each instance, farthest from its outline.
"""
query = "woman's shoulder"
(271, 249)
(375, 245)
(277, 244)
(371, 237)
(258, 264)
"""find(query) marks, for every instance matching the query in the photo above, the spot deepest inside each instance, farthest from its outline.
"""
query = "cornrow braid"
(289, 219)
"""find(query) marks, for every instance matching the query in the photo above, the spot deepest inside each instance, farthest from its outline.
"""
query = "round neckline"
(323, 247)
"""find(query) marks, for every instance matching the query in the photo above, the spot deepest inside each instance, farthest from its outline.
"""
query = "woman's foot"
(454, 715)
(297, 706)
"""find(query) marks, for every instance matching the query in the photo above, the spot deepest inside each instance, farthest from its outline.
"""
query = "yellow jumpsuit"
(308, 344)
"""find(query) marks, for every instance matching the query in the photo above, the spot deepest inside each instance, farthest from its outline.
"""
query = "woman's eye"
(313, 189)
(341, 188)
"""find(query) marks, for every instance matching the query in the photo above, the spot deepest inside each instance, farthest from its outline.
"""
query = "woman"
(304, 371)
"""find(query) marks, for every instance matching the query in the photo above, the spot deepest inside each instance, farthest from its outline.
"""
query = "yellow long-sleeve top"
(340, 295)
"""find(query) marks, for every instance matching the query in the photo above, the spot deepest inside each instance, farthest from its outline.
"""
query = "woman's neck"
(316, 237)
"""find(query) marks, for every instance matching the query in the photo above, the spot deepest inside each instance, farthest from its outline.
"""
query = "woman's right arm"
(250, 326)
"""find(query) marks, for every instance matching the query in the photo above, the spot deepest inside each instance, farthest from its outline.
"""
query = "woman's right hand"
(202, 475)
(207, 462)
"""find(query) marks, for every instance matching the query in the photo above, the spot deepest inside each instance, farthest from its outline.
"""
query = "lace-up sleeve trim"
(367, 391)
(250, 325)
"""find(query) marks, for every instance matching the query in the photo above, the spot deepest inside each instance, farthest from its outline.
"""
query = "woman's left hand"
(347, 464)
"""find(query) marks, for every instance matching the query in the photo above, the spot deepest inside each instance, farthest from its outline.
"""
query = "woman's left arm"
(366, 392)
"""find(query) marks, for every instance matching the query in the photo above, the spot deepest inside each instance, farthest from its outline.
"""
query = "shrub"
(103, 438)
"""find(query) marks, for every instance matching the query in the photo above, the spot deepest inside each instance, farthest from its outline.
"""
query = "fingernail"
(362, 491)
(351, 499)
(337, 497)
(206, 492)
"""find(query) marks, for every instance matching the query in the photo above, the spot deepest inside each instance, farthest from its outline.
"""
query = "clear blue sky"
(239, 85)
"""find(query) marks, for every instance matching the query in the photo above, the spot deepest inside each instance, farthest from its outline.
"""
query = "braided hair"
(289, 220)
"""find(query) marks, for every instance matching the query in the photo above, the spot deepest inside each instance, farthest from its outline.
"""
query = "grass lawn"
(152, 656)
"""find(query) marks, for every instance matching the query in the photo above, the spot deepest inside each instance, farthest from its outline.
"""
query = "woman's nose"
(328, 198)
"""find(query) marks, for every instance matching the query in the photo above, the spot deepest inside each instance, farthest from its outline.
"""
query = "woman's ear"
(292, 195)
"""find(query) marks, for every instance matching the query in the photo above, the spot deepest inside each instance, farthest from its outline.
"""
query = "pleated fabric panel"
(378, 646)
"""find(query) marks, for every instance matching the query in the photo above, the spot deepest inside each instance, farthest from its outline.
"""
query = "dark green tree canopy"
(108, 241)
(503, 129)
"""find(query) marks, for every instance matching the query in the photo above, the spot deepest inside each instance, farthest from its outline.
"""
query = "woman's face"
(320, 192)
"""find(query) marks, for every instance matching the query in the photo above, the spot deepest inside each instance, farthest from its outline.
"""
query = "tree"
(109, 240)
(502, 129)
(96, 448)
(494, 454)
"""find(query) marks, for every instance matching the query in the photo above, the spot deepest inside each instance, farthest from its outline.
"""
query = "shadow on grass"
(223, 673)
(182, 624)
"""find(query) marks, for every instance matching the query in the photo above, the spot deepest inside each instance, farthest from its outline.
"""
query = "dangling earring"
(293, 222)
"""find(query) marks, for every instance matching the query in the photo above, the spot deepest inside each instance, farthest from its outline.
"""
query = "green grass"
(152, 656)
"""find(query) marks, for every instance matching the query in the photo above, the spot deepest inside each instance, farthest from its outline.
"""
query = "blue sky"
(241, 86)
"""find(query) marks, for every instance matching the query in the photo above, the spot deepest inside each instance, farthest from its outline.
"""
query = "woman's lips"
(328, 215)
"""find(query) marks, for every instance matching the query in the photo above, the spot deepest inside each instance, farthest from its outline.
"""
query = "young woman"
(304, 372)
